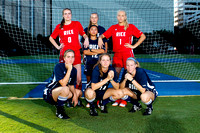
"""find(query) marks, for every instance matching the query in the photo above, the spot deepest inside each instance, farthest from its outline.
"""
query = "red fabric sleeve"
(108, 33)
(135, 31)
(80, 28)
(55, 33)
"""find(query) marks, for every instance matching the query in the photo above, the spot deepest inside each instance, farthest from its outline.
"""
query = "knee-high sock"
(61, 100)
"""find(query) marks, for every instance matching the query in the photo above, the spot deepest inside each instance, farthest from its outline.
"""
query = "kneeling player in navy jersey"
(102, 75)
(137, 80)
(61, 86)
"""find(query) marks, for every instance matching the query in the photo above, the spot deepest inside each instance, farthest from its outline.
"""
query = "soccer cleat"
(117, 102)
(88, 105)
(60, 112)
(103, 109)
(123, 103)
(93, 111)
(135, 108)
(148, 111)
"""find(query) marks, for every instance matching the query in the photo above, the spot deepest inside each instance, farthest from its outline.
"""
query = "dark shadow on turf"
(163, 124)
(38, 127)
(44, 104)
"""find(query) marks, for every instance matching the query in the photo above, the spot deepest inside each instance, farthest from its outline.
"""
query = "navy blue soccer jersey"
(142, 78)
(59, 73)
(97, 78)
(92, 59)
(101, 30)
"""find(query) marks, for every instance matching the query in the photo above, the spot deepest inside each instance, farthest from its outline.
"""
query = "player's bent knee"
(145, 98)
(70, 95)
(65, 91)
(120, 94)
(90, 94)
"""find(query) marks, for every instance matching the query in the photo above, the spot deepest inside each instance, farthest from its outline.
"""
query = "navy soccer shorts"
(88, 69)
(47, 96)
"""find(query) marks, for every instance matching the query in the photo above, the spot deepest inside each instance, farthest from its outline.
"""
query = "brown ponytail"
(62, 23)
(63, 20)
(90, 23)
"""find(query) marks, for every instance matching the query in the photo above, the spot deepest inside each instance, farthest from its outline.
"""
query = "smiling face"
(121, 16)
(67, 15)
(105, 61)
(131, 66)
(93, 31)
(94, 19)
(69, 58)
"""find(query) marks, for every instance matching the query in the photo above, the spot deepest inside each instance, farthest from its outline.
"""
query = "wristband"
(90, 50)
(111, 80)
(132, 80)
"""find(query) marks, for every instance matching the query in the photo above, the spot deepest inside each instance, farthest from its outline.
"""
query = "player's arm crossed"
(93, 51)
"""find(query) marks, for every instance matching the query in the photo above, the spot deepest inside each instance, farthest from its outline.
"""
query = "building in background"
(34, 16)
(186, 12)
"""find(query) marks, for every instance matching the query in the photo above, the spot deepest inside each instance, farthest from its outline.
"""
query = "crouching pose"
(102, 75)
(61, 86)
(137, 80)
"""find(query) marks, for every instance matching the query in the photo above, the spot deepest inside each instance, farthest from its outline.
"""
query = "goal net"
(27, 56)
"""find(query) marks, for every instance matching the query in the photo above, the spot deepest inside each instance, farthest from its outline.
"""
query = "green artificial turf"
(171, 114)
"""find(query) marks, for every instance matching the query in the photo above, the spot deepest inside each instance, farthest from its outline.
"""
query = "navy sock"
(135, 102)
(149, 106)
(104, 102)
(91, 104)
(61, 100)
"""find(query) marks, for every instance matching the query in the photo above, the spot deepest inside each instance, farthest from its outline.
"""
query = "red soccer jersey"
(69, 35)
(120, 36)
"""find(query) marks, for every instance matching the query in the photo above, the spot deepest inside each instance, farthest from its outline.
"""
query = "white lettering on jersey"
(68, 32)
(93, 46)
(104, 86)
(69, 80)
(132, 87)
(120, 34)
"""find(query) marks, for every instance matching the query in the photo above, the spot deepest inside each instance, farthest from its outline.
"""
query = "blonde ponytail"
(126, 25)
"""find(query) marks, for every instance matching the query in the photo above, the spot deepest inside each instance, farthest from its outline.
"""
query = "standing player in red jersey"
(122, 39)
(68, 32)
